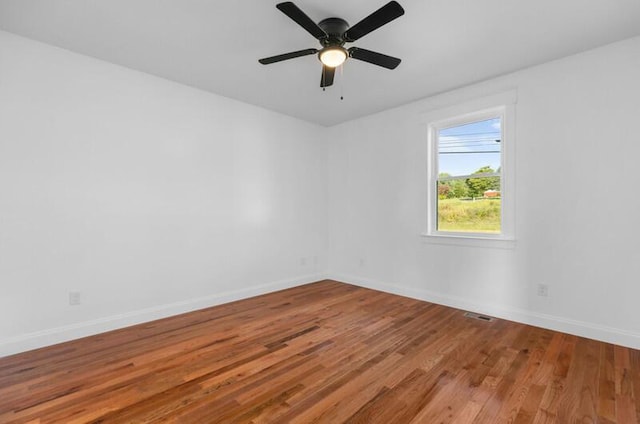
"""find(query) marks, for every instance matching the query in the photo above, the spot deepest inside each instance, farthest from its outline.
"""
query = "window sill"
(469, 240)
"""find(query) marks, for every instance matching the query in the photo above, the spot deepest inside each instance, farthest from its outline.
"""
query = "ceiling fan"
(333, 33)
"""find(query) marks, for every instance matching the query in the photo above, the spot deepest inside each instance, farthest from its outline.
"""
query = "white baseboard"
(56, 335)
(65, 333)
(552, 322)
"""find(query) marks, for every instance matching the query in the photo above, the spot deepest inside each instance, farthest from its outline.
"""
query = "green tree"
(477, 186)
(458, 189)
(452, 189)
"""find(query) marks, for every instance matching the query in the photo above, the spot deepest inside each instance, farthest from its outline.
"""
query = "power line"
(464, 153)
(467, 134)
(480, 140)
(469, 145)
(470, 140)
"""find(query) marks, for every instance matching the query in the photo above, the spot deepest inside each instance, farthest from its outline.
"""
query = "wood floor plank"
(470, 368)
(326, 352)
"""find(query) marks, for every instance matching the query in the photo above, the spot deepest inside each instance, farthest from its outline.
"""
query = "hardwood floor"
(324, 353)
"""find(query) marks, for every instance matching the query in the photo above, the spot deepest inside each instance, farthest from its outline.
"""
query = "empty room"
(404, 212)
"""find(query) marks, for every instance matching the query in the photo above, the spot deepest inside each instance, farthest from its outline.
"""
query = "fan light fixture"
(333, 56)
(333, 34)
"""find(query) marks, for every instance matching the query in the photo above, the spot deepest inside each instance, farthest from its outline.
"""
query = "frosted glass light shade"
(333, 57)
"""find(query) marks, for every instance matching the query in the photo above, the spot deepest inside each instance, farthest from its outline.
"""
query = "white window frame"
(498, 106)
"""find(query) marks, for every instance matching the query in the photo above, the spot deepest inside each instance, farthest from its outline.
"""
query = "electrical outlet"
(303, 261)
(361, 262)
(543, 290)
(74, 298)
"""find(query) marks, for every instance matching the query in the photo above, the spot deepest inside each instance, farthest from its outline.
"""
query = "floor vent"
(478, 316)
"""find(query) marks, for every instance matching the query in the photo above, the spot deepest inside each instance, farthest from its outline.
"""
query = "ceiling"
(215, 45)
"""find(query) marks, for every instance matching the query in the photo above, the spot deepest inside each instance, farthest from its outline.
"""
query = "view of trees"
(470, 187)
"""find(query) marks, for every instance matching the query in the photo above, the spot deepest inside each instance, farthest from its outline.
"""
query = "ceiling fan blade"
(287, 56)
(294, 12)
(327, 76)
(380, 17)
(379, 59)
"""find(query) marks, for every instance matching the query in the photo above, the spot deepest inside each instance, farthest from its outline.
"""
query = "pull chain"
(342, 82)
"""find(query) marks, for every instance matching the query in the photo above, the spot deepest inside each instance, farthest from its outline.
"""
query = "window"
(470, 175)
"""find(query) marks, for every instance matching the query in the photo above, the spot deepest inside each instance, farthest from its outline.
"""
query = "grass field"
(480, 216)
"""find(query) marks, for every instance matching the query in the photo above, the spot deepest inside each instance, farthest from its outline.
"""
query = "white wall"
(151, 198)
(577, 204)
(148, 197)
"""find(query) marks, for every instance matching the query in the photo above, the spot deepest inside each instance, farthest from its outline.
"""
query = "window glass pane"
(459, 209)
(469, 148)
(469, 204)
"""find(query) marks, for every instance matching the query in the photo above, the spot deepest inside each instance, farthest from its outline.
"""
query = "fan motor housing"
(335, 28)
